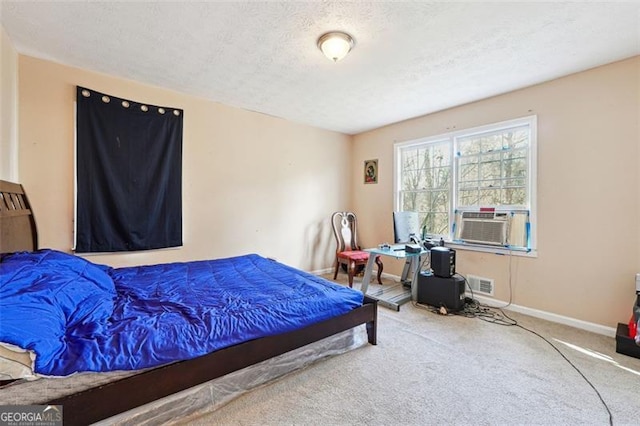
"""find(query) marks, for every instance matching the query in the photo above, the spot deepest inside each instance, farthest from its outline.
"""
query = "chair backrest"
(345, 230)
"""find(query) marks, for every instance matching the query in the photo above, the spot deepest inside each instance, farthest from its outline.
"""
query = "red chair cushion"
(356, 255)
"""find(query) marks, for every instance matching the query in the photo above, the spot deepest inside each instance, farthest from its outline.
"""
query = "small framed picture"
(371, 171)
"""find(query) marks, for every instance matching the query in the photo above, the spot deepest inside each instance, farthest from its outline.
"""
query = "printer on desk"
(413, 248)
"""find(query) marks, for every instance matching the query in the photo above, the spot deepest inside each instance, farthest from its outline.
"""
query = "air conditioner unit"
(484, 228)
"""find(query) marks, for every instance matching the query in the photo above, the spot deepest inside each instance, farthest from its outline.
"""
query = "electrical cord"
(485, 313)
(426, 258)
(575, 368)
(475, 309)
(495, 315)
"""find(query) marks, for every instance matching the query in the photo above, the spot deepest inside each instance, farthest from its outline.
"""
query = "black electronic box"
(443, 261)
(412, 248)
(439, 291)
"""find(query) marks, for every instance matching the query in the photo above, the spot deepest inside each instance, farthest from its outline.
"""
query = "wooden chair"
(348, 252)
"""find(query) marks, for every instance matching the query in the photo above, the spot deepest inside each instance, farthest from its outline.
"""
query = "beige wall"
(8, 102)
(251, 182)
(588, 191)
(254, 183)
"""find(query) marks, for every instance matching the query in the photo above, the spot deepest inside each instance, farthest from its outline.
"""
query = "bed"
(146, 382)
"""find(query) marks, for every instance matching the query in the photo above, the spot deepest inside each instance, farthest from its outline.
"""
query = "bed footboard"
(371, 306)
(113, 398)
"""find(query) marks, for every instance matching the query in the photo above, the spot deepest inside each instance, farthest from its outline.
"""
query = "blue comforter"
(79, 316)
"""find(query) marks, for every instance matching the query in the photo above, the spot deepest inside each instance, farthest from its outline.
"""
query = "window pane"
(425, 180)
(468, 146)
(468, 170)
(504, 139)
(516, 153)
(515, 196)
(515, 182)
(491, 183)
(408, 200)
(422, 201)
(491, 143)
(441, 155)
(470, 184)
(438, 202)
(426, 201)
(468, 197)
(492, 168)
(489, 197)
(516, 138)
(410, 180)
(515, 167)
(439, 178)
(409, 160)
(436, 223)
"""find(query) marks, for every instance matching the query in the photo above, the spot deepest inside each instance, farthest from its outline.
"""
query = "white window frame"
(451, 137)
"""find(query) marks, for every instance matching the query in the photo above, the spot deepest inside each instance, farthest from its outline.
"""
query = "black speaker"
(438, 291)
(443, 261)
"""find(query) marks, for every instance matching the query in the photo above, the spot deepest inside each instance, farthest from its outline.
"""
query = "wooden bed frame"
(18, 233)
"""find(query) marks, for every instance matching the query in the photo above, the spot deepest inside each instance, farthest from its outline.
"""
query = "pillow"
(16, 363)
(46, 294)
(78, 287)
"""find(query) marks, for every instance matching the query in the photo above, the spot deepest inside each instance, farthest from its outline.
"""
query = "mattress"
(76, 316)
(192, 402)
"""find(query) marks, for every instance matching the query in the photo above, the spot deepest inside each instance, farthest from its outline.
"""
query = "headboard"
(17, 224)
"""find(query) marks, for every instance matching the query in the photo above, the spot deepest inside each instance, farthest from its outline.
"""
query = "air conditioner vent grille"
(484, 231)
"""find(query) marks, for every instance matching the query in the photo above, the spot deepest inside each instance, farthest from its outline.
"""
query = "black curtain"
(129, 168)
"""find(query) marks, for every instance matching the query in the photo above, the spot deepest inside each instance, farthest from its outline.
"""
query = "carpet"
(434, 369)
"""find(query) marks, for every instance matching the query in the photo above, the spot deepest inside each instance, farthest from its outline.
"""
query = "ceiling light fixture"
(335, 45)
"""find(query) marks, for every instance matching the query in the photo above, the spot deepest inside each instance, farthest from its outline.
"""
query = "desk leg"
(367, 274)
(408, 266)
(416, 262)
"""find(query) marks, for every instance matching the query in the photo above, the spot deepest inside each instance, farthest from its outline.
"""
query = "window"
(485, 169)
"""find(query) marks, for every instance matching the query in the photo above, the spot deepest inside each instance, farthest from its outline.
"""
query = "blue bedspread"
(79, 316)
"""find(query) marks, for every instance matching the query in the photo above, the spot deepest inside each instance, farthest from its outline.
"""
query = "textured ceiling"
(410, 58)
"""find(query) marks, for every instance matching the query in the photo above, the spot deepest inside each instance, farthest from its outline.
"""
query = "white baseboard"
(536, 313)
(560, 319)
(322, 271)
(373, 273)
(391, 277)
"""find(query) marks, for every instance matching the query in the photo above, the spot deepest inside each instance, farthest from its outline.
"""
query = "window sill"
(492, 249)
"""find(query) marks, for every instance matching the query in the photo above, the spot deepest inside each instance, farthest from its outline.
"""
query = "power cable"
(475, 309)
(571, 364)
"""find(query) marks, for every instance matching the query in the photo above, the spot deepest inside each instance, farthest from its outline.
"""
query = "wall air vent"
(480, 285)
(484, 228)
